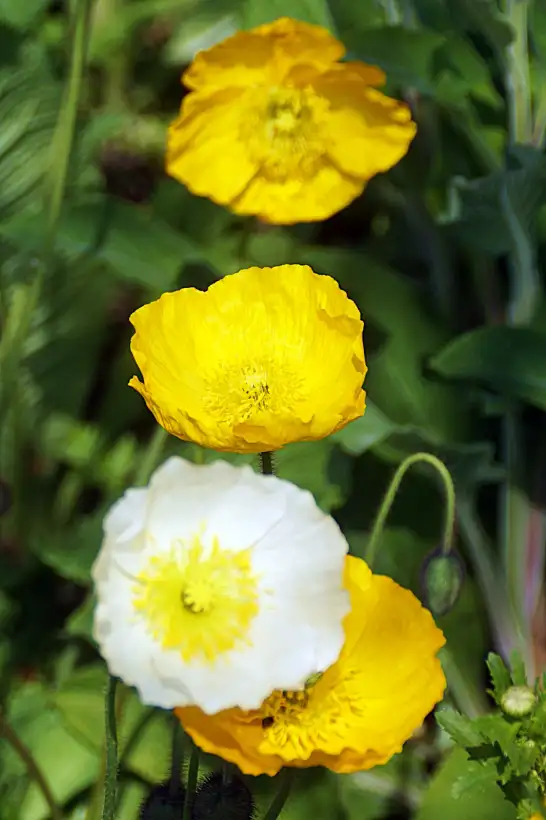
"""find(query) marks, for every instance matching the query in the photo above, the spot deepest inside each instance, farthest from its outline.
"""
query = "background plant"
(443, 256)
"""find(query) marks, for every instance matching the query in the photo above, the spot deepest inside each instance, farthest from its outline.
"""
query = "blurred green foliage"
(443, 256)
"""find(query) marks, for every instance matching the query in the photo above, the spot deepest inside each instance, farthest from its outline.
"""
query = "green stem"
(494, 592)
(177, 757)
(267, 465)
(517, 80)
(390, 495)
(111, 775)
(191, 785)
(281, 797)
(31, 766)
(151, 456)
(469, 699)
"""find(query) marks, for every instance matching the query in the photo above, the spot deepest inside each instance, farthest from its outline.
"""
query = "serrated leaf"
(477, 778)
(459, 728)
(517, 665)
(500, 675)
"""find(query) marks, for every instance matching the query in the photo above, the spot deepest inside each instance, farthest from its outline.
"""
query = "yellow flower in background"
(276, 126)
(360, 711)
(264, 357)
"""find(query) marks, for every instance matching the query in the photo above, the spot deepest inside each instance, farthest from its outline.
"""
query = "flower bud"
(219, 800)
(518, 701)
(442, 581)
(163, 803)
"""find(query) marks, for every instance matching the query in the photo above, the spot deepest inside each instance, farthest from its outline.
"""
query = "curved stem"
(282, 795)
(390, 495)
(32, 767)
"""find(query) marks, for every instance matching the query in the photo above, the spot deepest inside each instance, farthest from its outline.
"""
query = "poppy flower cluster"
(225, 594)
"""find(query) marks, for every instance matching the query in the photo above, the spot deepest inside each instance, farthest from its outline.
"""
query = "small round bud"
(219, 800)
(518, 701)
(442, 581)
(163, 803)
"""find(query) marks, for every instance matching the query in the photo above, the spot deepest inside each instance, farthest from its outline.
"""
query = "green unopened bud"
(219, 800)
(442, 581)
(518, 701)
(163, 803)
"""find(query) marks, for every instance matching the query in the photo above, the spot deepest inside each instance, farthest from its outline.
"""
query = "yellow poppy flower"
(275, 126)
(264, 357)
(360, 711)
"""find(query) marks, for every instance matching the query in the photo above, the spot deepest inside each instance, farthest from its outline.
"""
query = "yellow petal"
(368, 132)
(265, 357)
(263, 55)
(364, 707)
(204, 150)
(307, 198)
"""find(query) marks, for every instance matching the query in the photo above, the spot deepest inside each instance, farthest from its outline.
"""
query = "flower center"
(297, 723)
(284, 135)
(241, 392)
(199, 601)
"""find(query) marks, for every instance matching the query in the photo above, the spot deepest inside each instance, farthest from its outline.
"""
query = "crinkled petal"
(305, 198)
(263, 55)
(365, 706)
(368, 132)
(296, 556)
(204, 149)
(249, 365)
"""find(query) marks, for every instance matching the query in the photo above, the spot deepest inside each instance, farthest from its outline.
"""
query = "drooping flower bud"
(518, 701)
(219, 800)
(163, 803)
(442, 581)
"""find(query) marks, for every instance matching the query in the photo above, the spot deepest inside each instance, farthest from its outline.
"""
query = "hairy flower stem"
(34, 771)
(267, 464)
(191, 785)
(285, 777)
(390, 495)
(111, 774)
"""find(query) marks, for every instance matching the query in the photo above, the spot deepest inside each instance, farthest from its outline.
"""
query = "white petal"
(297, 553)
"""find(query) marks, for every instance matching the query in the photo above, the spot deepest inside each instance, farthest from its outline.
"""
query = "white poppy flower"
(217, 585)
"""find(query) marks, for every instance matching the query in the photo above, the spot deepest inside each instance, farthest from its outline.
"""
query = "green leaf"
(22, 15)
(507, 360)
(80, 623)
(500, 675)
(404, 54)
(138, 247)
(460, 728)
(483, 803)
(476, 779)
(256, 12)
(363, 433)
(29, 102)
(71, 551)
(69, 764)
(517, 665)
(482, 216)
